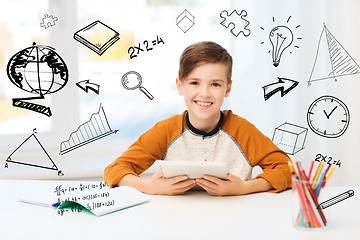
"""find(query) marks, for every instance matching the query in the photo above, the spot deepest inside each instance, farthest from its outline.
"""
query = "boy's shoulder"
(176, 121)
(232, 119)
(238, 126)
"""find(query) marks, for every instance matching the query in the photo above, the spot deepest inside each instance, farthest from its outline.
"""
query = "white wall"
(253, 69)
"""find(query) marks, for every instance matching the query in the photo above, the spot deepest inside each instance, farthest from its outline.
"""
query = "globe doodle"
(39, 70)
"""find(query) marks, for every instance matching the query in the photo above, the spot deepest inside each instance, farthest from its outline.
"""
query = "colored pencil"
(309, 214)
(331, 171)
(317, 174)
(314, 197)
(311, 167)
(317, 170)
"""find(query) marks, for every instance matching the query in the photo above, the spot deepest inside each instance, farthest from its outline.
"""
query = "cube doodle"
(185, 21)
(48, 21)
(290, 138)
(237, 21)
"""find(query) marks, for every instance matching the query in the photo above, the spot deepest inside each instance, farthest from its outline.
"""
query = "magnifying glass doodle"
(132, 80)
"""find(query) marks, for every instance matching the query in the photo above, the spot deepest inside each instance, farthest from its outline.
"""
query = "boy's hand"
(158, 184)
(233, 185)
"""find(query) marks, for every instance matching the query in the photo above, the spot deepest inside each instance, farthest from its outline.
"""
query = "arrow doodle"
(284, 85)
(86, 85)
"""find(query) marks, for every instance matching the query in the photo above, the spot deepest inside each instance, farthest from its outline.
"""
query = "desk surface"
(194, 215)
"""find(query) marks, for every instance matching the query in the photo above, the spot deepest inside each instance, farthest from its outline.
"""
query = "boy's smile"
(204, 90)
(203, 104)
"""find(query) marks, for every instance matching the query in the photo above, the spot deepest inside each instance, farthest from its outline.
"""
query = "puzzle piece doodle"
(48, 21)
(238, 22)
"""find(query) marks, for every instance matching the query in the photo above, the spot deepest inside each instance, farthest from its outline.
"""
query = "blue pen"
(56, 205)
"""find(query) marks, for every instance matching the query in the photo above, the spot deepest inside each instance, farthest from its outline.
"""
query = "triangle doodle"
(42, 161)
(335, 60)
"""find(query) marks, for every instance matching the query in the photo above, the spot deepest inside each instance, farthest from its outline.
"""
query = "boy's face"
(204, 90)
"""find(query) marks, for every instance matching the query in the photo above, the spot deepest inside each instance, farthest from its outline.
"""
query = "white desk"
(195, 215)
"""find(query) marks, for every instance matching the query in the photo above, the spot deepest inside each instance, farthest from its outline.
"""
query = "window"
(130, 112)
(19, 27)
(139, 24)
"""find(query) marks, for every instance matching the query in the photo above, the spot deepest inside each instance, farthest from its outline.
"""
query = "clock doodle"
(328, 117)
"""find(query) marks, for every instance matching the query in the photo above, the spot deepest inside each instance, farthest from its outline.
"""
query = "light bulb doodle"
(281, 37)
(281, 40)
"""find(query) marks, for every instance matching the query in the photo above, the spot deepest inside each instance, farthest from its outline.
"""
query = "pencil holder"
(307, 211)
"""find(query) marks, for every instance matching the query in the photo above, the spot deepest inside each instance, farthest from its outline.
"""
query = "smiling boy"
(203, 132)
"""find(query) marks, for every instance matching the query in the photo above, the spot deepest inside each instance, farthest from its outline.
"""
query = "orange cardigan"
(235, 140)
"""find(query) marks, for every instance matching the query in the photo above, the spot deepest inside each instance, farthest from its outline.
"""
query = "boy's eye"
(216, 84)
(194, 83)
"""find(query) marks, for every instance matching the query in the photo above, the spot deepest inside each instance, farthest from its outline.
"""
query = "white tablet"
(194, 169)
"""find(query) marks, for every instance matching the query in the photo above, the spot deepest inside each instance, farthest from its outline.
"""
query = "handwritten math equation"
(327, 159)
(59, 190)
(96, 198)
(88, 197)
(100, 204)
(134, 51)
(75, 208)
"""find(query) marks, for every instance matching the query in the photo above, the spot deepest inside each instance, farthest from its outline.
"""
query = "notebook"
(97, 36)
(98, 200)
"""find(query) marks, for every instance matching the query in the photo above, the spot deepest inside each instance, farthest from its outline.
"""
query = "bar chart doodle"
(337, 63)
(44, 161)
(97, 127)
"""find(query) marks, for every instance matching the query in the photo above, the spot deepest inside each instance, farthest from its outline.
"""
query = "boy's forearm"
(257, 185)
(133, 181)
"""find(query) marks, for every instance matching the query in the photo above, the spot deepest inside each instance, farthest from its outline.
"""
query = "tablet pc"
(193, 169)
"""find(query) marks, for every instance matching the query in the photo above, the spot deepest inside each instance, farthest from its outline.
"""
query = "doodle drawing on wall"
(281, 38)
(185, 21)
(284, 85)
(290, 137)
(331, 54)
(85, 85)
(97, 127)
(38, 70)
(336, 199)
(132, 80)
(44, 161)
(328, 117)
(237, 22)
(48, 21)
(97, 36)
(134, 51)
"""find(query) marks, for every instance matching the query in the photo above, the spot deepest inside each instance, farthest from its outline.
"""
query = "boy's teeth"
(203, 104)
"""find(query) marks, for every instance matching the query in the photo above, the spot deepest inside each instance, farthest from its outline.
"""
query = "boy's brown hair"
(203, 52)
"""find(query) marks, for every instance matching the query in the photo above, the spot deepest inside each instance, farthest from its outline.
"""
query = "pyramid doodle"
(332, 60)
(43, 160)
